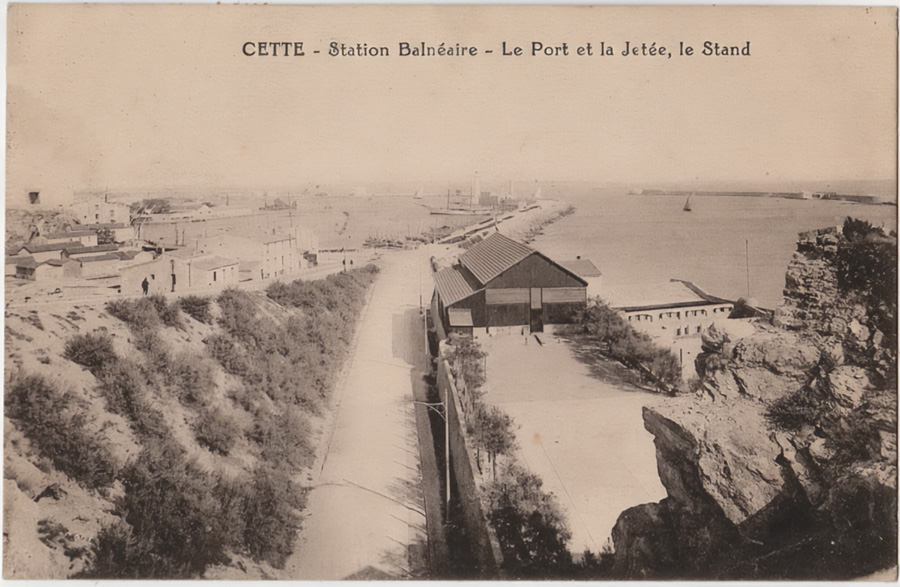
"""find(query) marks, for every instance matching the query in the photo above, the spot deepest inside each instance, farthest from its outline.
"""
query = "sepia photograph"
(450, 292)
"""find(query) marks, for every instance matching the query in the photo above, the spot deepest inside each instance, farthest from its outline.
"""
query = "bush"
(530, 526)
(124, 386)
(176, 520)
(55, 425)
(284, 438)
(92, 350)
(169, 314)
(271, 521)
(216, 431)
(139, 314)
(197, 307)
(176, 526)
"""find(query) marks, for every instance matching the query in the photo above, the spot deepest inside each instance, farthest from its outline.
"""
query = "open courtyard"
(580, 430)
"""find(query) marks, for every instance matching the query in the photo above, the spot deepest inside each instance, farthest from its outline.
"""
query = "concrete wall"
(483, 541)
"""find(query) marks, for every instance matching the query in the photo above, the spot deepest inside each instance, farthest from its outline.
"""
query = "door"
(537, 310)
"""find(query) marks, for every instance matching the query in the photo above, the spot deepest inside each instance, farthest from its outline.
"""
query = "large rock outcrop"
(783, 463)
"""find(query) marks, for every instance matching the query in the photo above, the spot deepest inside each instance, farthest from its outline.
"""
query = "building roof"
(128, 255)
(70, 234)
(213, 262)
(60, 262)
(492, 256)
(460, 317)
(453, 284)
(655, 296)
(88, 250)
(96, 258)
(27, 262)
(581, 267)
(270, 238)
(51, 247)
(15, 260)
(108, 225)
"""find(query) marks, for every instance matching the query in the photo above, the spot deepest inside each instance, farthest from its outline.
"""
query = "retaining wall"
(484, 545)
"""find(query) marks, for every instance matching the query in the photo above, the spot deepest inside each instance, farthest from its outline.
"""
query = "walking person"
(145, 285)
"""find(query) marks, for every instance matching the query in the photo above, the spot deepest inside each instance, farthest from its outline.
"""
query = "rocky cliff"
(782, 463)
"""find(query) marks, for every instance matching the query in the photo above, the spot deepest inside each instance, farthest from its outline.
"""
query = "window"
(678, 332)
(214, 275)
(34, 197)
(698, 330)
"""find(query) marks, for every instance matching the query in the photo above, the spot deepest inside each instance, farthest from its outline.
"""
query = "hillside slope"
(156, 439)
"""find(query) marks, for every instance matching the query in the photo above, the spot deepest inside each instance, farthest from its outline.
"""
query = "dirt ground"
(582, 434)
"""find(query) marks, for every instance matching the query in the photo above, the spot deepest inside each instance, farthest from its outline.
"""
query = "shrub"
(124, 387)
(216, 431)
(271, 522)
(529, 524)
(139, 314)
(92, 350)
(176, 526)
(229, 354)
(190, 378)
(284, 438)
(197, 307)
(794, 410)
(169, 314)
(55, 424)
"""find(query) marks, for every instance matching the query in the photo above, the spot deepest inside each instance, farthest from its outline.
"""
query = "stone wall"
(483, 541)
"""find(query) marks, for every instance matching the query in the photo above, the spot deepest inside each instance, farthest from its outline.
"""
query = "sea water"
(729, 246)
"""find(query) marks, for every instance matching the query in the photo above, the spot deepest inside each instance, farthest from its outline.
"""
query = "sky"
(135, 96)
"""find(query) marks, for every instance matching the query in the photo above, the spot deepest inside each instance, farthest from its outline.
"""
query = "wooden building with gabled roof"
(501, 283)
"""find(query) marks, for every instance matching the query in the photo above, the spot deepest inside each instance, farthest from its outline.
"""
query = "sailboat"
(687, 203)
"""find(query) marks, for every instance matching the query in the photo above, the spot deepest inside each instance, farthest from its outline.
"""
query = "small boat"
(687, 203)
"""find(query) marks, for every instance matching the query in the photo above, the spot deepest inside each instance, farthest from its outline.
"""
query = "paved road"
(366, 510)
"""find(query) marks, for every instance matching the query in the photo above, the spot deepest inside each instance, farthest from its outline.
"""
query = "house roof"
(581, 267)
(27, 262)
(51, 247)
(15, 260)
(108, 225)
(213, 262)
(492, 256)
(269, 238)
(453, 284)
(70, 234)
(128, 255)
(655, 296)
(96, 258)
(88, 250)
(60, 262)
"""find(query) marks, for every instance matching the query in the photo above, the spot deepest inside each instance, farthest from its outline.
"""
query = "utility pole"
(747, 255)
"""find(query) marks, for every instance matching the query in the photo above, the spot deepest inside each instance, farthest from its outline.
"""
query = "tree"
(530, 526)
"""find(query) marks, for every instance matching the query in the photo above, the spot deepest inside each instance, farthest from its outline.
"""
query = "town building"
(87, 238)
(41, 253)
(262, 256)
(102, 211)
(179, 270)
(672, 313)
(501, 284)
(56, 270)
(87, 251)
